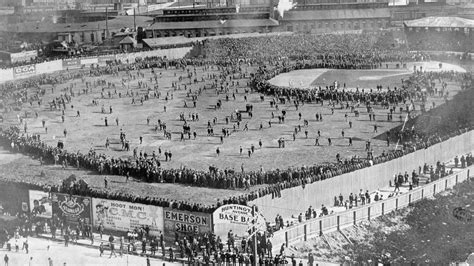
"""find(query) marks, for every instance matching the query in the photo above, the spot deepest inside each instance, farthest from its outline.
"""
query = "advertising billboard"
(184, 222)
(23, 56)
(71, 63)
(125, 216)
(25, 70)
(41, 204)
(237, 218)
(103, 59)
(71, 208)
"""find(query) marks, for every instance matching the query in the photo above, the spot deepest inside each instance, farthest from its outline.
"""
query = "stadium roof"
(237, 23)
(441, 22)
(127, 40)
(113, 24)
(313, 15)
(156, 42)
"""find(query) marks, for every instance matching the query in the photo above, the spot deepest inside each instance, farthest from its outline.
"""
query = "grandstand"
(440, 34)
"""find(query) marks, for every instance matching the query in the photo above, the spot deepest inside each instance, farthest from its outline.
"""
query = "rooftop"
(237, 23)
(441, 22)
(113, 24)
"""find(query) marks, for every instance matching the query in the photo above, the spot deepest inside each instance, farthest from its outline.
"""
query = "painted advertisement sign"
(184, 222)
(25, 70)
(72, 208)
(41, 204)
(124, 216)
(103, 59)
(89, 61)
(71, 63)
(23, 56)
(237, 218)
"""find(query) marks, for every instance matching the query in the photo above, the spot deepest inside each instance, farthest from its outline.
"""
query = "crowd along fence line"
(341, 220)
(297, 199)
(10, 74)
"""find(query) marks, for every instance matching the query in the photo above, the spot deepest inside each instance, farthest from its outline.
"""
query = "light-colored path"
(73, 255)
(298, 78)
(305, 77)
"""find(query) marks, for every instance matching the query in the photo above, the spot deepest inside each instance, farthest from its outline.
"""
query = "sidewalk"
(86, 242)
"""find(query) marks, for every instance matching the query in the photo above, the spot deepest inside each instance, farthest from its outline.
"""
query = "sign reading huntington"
(71, 208)
(184, 222)
(237, 218)
(125, 216)
(26, 70)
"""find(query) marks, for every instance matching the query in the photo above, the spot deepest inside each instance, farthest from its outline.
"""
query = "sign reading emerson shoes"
(186, 222)
(26, 70)
(71, 208)
(124, 216)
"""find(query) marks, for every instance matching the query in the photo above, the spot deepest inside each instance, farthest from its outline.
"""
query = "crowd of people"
(432, 40)
(288, 54)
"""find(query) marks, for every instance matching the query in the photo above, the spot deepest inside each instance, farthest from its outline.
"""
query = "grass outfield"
(89, 132)
(28, 169)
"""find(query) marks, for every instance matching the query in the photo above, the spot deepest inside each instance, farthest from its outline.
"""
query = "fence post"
(320, 227)
(396, 204)
(445, 184)
(409, 199)
(434, 189)
(456, 179)
(383, 208)
(368, 213)
(468, 174)
(305, 233)
(354, 217)
(422, 192)
(286, 238)
(338, 223)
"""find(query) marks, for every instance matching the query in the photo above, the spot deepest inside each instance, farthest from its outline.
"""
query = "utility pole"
(106, 22)
(254, 222)
(134, 21)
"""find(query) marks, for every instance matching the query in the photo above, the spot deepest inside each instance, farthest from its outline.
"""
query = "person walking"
(101, 249)
(112, 250)
(6, 259)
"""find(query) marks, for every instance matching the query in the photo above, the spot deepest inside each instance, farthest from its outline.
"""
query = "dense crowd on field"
(286, 53)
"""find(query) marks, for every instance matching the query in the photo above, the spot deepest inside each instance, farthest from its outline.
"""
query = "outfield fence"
(297, 199)
(338, 221)
(26, 71)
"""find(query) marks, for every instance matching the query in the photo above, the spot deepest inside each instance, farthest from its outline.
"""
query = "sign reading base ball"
(237, 218)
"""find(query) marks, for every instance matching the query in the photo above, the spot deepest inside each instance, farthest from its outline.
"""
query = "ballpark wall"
(6, 74)
(340, 220)
(57, 65)
(49, 67)
(298, 199)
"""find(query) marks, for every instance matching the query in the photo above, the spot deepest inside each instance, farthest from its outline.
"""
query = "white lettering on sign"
(28, 69)
(124, 216)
